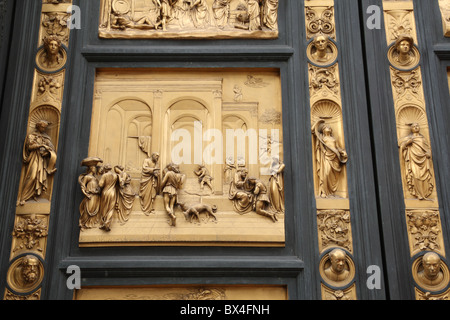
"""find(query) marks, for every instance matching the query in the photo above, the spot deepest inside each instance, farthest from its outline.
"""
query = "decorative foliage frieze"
(424, 228)
(334, 229)
(320, 20)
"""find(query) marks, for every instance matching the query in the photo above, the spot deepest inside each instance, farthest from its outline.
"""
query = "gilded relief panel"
(191, 293)
(425, 237)
(217, 19)
(184, 157)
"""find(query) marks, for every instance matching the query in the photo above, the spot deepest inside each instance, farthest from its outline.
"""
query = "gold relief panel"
(192, 293)
(320, 18)
(334, 295)
(9, 296)
(399, 20)
(30, 234)
(424, 231)
(191, 157)
(48, 88)
(334, 229)
(188, 19)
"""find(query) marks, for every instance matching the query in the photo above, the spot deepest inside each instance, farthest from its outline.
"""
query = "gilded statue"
(52, 57)
(230, 167)
(29, 271)
(330, 158)
(193, 210)
(403, 50)
(204, 177)
(321, 51)
(416, 154)
(276, 185)
(108, 197)
(172, 181)
(150, 181)
(126, 196)
(90, 206)
(39, 157)
(431, 275)
(199, 13)
(337, 270)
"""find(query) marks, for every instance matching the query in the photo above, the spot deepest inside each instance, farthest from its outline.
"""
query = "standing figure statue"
(125, 196)
(150, 181)
(416, 154)
(39, 156)
(330, 159)
(108, 198)
(165, 13)
(276, 185)
(90, 206)
(172, 181)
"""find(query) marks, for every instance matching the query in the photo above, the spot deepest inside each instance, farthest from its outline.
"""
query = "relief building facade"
(225, 149)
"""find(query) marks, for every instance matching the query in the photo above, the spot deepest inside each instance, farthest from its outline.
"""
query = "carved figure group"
(106, 192)
(250, 194)
(251, 15)
(39, 157)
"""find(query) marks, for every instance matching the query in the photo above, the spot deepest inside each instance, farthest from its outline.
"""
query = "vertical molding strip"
(336, 267)
(422, 217)
(29, 236)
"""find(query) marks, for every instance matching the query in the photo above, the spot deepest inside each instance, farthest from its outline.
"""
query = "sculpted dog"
(192, 210)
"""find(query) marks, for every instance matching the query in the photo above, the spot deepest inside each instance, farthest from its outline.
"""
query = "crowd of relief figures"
(108, 192)
(215, 18)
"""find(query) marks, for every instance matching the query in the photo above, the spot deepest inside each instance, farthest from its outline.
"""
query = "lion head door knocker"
(322, 51)
(403, 54)
(337, 268)
(431, 273)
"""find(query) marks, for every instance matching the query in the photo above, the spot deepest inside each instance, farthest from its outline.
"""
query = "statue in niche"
(150, 181)
(204, 177)
(108, 198)
(126, 196)
(321, 49)
(403, 50)
(416, 154)
(330, 158)
(90, 206)
(194, 210)
(221, 12)
(172, 181)
(276, 185)
(52, 57)
(337, 270)
(250, 194)
(39, 156)
(431, 274)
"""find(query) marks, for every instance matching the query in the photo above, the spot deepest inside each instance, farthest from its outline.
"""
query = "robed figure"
(416, 153)
(90, 206)
(108, 198)
(330, 159)
(276, 185)
(125, 196)
(39, 157)
(150, 181)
